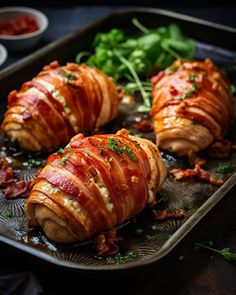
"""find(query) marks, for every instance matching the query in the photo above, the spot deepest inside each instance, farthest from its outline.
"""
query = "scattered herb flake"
(185, 205)
(150, 237)
(233, 88)
(155, 226)
(60, 151)
(138, 135)
(139, 231)
(8, 214)
(63, 160)
(113, 145)
(225, 168)
(111, 159)
(194, 87)
(129, 256)
(192, 77)
(34, 163)
(181, 258)
(171, 70)
(69, 76)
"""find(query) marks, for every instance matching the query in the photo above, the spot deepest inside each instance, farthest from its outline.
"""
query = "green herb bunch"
(129, 60)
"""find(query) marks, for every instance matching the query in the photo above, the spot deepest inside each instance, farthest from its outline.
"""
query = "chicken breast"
(58, 103)
(192, 106)
(94, 184)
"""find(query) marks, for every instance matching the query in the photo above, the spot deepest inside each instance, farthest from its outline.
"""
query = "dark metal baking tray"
(214, 41)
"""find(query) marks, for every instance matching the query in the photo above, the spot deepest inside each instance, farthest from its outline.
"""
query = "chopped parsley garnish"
(63, 160)
(60, 151)
(138, 134)
(194, 87)
(8, 214)
(69, 76)
(130, 255)
(34, 163)
(111, 159)
(171, 70)
(188, 93)
(185, 205)
(154, 226)
(150, 237)
(233, 88)
(139, 231)
(113, 145)
(225, 168)
(192, 77)
(225, 252)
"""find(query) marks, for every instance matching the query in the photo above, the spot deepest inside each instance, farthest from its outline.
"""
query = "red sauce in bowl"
(18, 26)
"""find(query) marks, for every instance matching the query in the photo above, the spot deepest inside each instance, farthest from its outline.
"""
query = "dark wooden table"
(202, 273)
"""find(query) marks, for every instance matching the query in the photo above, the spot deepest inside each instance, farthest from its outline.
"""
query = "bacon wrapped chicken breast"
(94, 184)
(192, 106)
(58, 103)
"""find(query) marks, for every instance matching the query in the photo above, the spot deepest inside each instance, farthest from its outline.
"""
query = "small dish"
(27, 40)
(3, 54)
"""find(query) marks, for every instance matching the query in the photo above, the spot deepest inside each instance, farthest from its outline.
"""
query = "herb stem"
(171, 52)
(207, 247)
(139, 26)
(80, 55)
(136, 78)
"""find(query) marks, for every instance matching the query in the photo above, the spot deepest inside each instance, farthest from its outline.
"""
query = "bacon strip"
(100, 180)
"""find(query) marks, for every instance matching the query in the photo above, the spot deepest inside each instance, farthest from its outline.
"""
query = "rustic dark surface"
(197, 273)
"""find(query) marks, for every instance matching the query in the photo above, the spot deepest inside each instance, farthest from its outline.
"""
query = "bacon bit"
(12, 189)
(6, 174)
(18, 189)
(202, 174)
(106, 243)
(194, 159)
(144, 126)
(166, 214)
(53, 65)
(173, 91)
(221, 149)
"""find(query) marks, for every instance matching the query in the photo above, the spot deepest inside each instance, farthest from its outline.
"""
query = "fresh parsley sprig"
(225, 252)
(130, 59)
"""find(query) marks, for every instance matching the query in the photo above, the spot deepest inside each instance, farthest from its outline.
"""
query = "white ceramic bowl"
(3, 54)
(24, 41)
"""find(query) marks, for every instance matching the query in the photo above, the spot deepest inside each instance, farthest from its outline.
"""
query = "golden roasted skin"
(97, 183)
(58, 103)
(192, 106)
